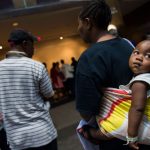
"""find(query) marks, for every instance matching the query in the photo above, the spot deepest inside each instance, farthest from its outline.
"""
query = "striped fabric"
(23, 83)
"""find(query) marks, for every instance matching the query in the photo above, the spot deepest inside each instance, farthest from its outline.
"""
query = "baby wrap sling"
(114, 108)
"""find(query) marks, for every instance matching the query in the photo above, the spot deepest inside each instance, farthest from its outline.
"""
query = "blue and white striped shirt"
(23, 83)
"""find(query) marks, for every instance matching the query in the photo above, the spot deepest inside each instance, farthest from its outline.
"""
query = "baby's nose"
(139, 58)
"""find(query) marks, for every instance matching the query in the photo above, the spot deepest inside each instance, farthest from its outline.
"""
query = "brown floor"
(66, 118)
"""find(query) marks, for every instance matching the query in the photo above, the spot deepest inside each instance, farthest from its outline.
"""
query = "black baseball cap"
(17, 36)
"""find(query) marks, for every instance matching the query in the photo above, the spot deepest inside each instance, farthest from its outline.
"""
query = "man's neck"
(104, 36)
(101, 35)
(15, 51)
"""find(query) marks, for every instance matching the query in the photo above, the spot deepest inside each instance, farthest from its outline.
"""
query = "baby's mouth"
(137, 65)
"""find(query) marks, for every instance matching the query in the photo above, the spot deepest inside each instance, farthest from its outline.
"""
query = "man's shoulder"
(35, 62)
(105, 45)
(93, 51)
(2, 61)
(31, 63)
(90, 50)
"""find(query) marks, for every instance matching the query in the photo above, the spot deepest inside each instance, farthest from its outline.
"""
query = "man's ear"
(24, 43)
(88, 23)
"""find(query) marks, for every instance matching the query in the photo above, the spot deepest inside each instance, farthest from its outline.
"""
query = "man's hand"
(85, 132)
(1, 117)
(134, 145)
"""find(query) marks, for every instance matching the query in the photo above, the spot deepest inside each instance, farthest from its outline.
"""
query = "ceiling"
(48, 25)
(51, 22)
(128, 6)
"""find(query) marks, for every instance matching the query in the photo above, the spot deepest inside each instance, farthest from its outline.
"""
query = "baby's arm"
(138, 103)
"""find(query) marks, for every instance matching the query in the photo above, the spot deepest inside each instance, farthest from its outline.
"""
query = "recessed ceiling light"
(1, 47)
(15, 24)
(61, 38)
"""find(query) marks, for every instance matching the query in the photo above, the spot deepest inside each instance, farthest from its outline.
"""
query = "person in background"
(101, 65)
(44, 63)
(68, 70)
(74, 64)
(57, 81)
(25, 86)
(115, 33)
(56, 76)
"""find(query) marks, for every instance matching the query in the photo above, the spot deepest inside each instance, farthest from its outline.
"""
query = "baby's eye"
(147, 55)
(135, 52)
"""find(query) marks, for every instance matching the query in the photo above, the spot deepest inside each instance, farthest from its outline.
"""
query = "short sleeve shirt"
(104, 64)
(23, 83)
(145, 77)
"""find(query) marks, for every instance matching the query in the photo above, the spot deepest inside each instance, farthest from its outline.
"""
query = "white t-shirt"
(67, 70)
(145, 77)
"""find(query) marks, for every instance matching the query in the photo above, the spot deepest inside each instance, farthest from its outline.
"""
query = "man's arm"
(87, 97)
(86, 117)
(46, 89)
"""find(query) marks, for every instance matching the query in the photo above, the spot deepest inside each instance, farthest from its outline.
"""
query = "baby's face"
(139, 61)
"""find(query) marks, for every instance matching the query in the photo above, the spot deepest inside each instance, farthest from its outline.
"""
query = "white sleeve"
(142, 77)
(46, 85)
(145, 77)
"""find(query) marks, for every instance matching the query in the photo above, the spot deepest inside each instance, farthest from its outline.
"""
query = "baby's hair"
(98, 11)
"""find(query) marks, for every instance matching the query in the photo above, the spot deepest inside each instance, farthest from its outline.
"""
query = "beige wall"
(53, 51)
